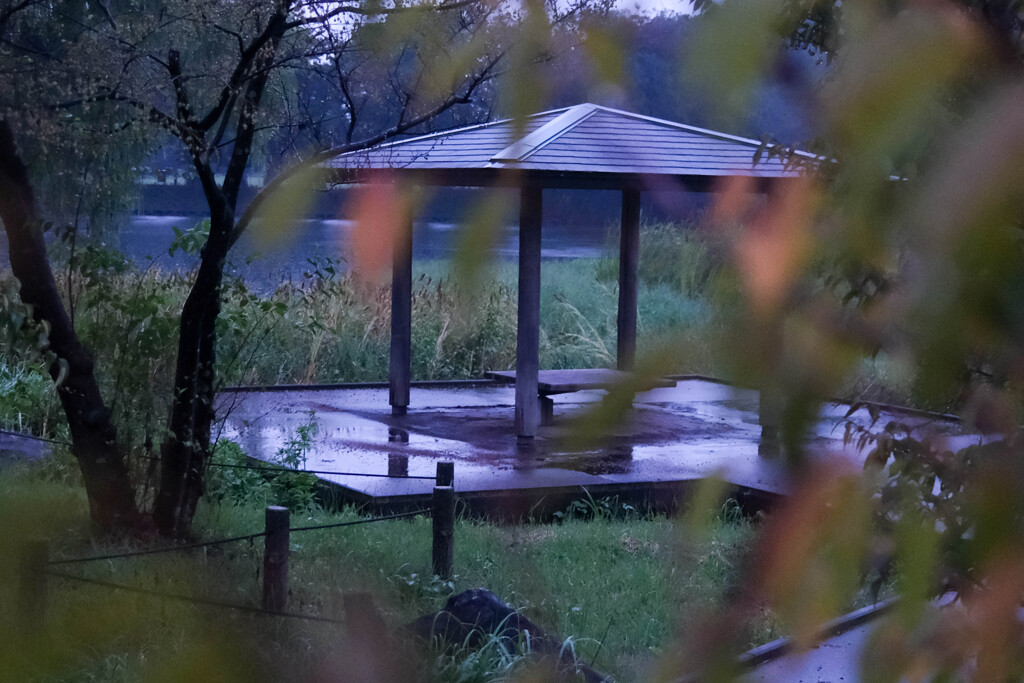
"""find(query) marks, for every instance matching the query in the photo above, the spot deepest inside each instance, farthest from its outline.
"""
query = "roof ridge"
(693, 129)
(450, 131)
(520, 150)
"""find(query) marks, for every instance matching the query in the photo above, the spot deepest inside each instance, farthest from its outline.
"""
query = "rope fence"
(36, 564)
(206, 602)
(337, 525)
(280, 468)
(234, 466)
(264, 468)
(156, 551)
(33, 437)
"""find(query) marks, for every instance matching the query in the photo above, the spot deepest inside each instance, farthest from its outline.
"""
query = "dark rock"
(473, 617)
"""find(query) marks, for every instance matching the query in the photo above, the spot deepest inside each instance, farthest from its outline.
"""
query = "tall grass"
(671, 254)
(331, 327)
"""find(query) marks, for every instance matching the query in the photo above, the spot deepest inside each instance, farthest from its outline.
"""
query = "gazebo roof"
(582, 146)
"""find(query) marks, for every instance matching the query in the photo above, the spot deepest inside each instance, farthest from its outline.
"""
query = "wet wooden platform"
(671, 439)
(551, 382)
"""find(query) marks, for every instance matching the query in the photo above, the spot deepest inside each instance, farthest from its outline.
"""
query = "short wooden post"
(445, 474)
(629, 256)
(400, 366)
(275, 558)
(444, 530)
(32, 589)
(527, 413)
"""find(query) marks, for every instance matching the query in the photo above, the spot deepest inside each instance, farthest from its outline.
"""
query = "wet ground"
(16, 448)
(673, 437)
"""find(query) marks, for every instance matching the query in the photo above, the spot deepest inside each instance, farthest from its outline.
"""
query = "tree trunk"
(93, 435)
(187, 448)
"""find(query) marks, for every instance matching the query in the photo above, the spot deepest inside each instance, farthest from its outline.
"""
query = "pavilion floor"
(673, 438)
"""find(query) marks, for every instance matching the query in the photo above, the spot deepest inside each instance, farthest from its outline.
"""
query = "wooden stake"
(275, 558)
(444, 530)
(445, 474)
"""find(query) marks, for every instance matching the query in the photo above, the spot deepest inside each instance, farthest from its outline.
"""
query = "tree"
(94, 437)
(216, 78)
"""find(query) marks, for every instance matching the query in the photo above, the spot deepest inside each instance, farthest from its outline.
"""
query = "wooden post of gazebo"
(629, 255)
(527, 414)
(400, 365)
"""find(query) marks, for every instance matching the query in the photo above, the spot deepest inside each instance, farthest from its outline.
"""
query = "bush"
(236, 479)
(29, 402)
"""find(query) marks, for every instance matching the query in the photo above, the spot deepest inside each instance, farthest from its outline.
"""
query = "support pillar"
(400, 368)
(629, 256)
(528, 331)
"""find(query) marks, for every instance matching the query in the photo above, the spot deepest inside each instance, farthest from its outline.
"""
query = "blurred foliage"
(904, 241)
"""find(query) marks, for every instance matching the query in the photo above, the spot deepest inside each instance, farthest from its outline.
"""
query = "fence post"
(275, 558)
(445, 474)
(32, 588)
(444, 530)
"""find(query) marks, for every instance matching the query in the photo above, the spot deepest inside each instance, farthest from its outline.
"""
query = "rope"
(361, 521)
(155, 551)
(33, 437)
(264, 468)
(190, 599)
(233, 539)
(340, 474)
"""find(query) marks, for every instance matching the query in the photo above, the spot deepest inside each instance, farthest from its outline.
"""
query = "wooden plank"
(400, 364)
(567, 381)
(629, 257)
(527, 414)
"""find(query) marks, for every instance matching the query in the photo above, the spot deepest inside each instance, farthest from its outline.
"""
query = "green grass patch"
(620, 591)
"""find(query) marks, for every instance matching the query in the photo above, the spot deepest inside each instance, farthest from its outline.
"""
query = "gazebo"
(582, 147)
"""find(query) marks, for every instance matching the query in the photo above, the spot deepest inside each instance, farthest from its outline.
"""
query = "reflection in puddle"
(398, 466)
(526, 454)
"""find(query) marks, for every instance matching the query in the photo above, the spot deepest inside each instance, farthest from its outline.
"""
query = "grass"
(619, 589)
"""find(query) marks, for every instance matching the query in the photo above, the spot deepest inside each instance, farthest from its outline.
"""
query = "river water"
(146, 240)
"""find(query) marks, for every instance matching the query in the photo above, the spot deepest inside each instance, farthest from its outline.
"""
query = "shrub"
(236, 479)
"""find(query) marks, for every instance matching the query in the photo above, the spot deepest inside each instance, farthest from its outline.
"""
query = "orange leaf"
(382, 210)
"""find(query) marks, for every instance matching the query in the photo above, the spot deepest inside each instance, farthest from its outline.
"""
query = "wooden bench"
(551, 382)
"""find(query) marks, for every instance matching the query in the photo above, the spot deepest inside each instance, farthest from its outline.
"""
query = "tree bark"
(187, 448)
(93, 435)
